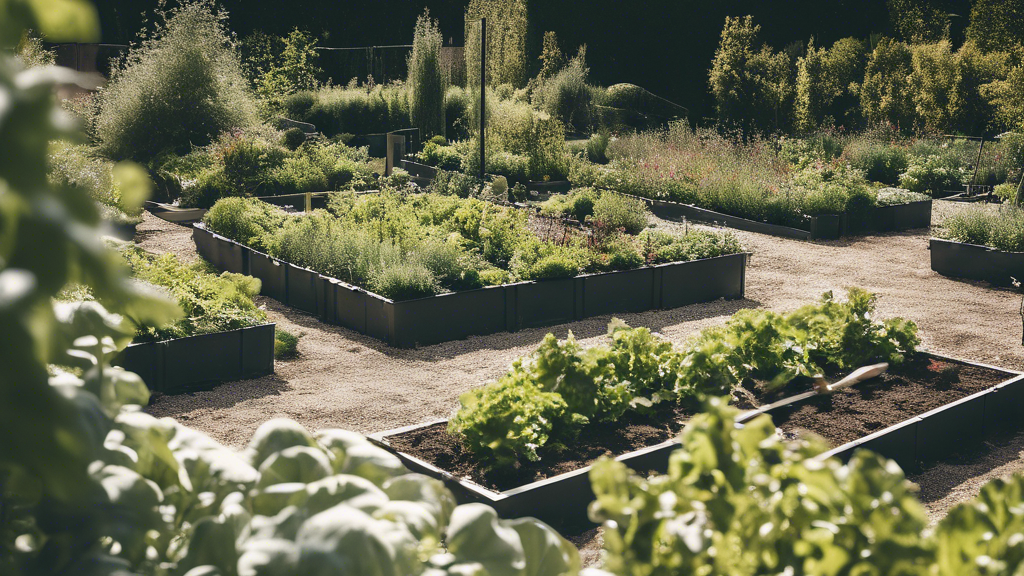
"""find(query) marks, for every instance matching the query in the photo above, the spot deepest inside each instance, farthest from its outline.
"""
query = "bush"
(455, 184)
(619, 212)
(886, 96)
(245, 220)
(458, 112)
(827, 82)
(180, 87)
(597, 147)
(293, 138)
(566, 95)
(361, 110)
(881, 161)
(441, 156)
(211, 303)
(1003, 230)
(507, 30)
(286, 345)
(578, 204)
(279, 66)
(660, 247)
(427, 84)
(934, 175)
(1006, 192)
(405, 282)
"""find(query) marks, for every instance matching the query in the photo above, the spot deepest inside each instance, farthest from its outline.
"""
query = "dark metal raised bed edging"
(488, 310)
(822, 227)
(201, 362)
(562, 500)
(960, 260)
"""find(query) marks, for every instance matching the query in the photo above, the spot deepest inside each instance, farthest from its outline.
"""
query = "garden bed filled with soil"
(925, 386)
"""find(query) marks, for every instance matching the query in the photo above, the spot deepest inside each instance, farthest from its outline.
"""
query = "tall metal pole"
(483, 92)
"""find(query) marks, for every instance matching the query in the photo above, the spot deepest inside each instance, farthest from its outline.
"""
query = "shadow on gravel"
(942, 478)
(655, 320)
(222, 396)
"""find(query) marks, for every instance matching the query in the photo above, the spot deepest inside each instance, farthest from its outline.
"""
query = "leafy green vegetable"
(547, 398)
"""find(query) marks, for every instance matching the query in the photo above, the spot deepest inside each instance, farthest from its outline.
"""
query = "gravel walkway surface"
(345, 380)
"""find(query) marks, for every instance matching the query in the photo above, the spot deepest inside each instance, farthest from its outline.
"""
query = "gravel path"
(346, 380)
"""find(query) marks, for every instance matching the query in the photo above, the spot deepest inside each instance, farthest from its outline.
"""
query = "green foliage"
(565, 95)
(77, 166)
(881, 160)
(995, 24)
(370, 109)
(181, 86)
(752, 85)
(597, 148)
(738, 500)
(886, 96)
(507, 29)
(427, 83)
(514, 418)
(660, 247)
(442, 156)
(211, 303)
(1007, 98)
(1006, 192)
(947, 86)
(278, 66)
(254, 164)
(245, 220)
(551, 56)
(286, 344)
(935, 175)
(827, 84)
(450, 183)
(620, 212)
(1002, 230)
(32, 53)
(920, 21)
(293, 138)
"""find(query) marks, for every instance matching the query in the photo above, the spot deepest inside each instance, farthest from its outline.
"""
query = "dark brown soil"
(634, 431)
(847, 415)
(882, 402)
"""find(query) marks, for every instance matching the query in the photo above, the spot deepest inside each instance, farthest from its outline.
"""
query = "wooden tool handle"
(860, 375)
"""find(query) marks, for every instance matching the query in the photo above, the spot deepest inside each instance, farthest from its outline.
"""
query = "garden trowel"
(821, 386)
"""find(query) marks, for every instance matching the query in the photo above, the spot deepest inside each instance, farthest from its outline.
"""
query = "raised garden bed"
(960, 260)
(822, 227)
(918, 412)
(201, 362)
(506, 308)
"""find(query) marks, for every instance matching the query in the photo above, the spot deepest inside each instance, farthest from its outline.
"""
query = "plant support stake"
(483, 93)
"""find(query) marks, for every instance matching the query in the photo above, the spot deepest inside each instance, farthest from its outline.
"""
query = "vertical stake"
(483, 92)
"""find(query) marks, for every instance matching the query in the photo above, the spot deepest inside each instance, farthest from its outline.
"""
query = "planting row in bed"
(489, 310)
(562, 500)
(428, 172)
(821, 227)
(960, 260)
(200, 362)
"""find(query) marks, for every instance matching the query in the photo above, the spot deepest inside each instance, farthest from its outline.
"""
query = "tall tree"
(997, 24)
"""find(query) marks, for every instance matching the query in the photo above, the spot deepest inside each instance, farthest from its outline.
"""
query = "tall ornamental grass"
(182, 85)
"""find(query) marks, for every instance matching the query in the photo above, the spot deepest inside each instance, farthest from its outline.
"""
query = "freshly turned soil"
(632, 432)
(846, 415)
(870, 406)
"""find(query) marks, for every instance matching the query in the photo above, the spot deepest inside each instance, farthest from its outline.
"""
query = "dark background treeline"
(665, 46)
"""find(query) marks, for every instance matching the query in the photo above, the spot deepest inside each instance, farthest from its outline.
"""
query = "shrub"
(578, 204)
(934, 175)
(455, 184)
(827, 82)
(597, 147)
(78, 167)
(278, 66)
(293, 138)
(405, 282)
(1003, 230)
(507, 30)
(181, 86)
(245, 220)
(458, 112)
(32, 53)
(566, 95)
(211, 303)
(881, 161)
(427, 85)
(518, 193)
(357, 110)
(442, 156)
(886, 96)
(660, 247)
(751, 85)
(619, 212)
(1006, 192)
